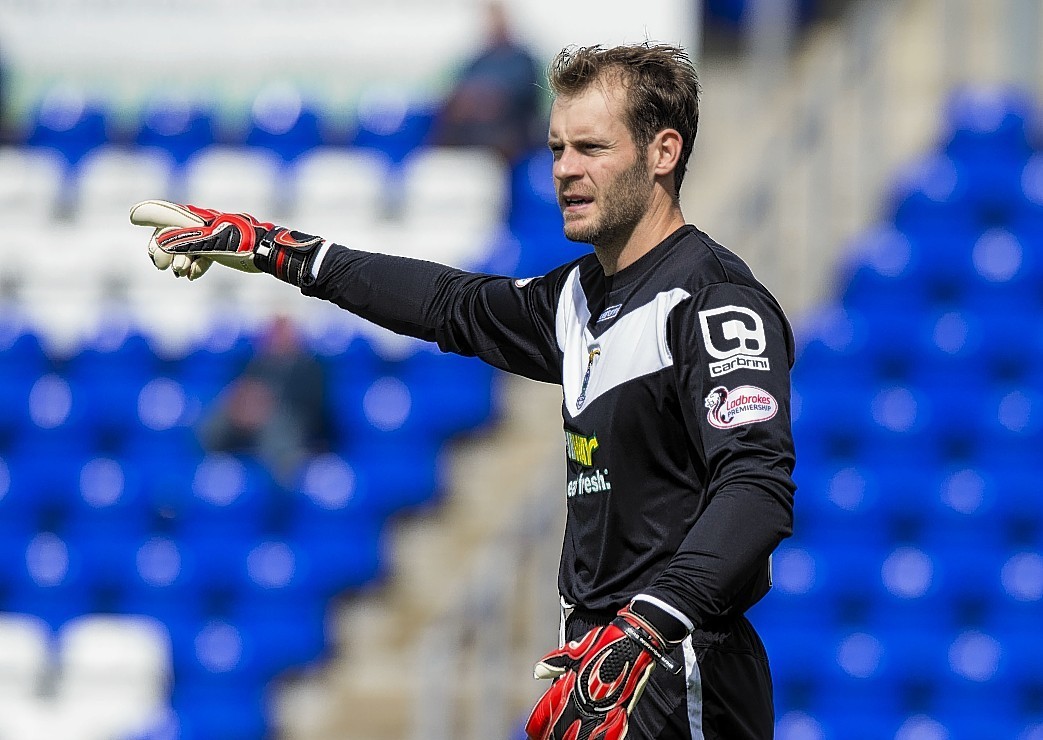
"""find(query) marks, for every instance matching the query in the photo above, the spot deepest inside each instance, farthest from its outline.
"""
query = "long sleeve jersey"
(675, 379)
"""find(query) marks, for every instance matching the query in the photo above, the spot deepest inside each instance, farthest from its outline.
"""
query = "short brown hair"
(661, 84)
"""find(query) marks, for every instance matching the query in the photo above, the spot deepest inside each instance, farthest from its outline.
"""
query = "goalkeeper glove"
(598, 680)
(189, 239)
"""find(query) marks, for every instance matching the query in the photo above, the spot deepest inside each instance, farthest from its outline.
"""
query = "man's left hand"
(598, 680)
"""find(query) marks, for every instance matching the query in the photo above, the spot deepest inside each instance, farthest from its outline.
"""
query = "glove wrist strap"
(288, 262)
(635, 628)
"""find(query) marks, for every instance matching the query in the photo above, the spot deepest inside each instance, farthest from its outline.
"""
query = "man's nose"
(566, 167)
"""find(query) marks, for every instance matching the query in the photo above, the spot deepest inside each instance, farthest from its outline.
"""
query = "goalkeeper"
(674, 365)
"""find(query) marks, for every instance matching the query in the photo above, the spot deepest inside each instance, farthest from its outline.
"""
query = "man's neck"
(663, 218)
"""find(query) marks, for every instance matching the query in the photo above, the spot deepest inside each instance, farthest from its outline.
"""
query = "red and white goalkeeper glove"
(598, 680)
(189, 239)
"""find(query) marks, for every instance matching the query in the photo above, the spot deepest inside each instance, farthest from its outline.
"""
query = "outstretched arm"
(507, 323)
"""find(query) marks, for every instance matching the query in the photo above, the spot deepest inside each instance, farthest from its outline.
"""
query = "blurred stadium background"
(877, 162)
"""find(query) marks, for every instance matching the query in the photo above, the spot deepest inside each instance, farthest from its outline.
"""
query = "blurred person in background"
(276, 409)
(674, 364)
(496, 101)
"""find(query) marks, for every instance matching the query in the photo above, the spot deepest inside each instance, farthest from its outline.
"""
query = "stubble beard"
(622, 206)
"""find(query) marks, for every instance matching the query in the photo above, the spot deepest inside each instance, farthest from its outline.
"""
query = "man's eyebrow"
(583, 140)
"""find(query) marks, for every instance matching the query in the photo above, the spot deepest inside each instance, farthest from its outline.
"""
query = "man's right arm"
(507, 323)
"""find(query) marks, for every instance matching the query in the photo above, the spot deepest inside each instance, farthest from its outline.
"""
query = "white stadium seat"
(112, 178)
(338, 186)
(114, 673)
(24, 656)
(31, 185)
(235, 180)
(464, 187)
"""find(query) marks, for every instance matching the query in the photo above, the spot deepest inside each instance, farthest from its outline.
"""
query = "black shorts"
(724, 693)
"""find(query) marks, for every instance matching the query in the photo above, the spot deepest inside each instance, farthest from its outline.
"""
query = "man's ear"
(665, 152)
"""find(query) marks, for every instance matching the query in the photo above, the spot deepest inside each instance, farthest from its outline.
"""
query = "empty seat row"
(280, 120)
(347, 186)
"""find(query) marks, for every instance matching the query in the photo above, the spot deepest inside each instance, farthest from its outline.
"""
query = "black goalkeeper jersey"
(675, 378)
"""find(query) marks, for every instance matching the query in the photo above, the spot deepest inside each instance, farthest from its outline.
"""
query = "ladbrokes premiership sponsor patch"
(746, 404)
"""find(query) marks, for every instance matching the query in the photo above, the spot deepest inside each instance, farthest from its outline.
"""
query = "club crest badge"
(746, 404)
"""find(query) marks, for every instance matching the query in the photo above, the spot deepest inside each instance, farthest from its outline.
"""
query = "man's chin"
(576, 233)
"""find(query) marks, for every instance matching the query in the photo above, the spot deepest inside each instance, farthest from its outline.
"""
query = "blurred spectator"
(496, 101)
(276, 408)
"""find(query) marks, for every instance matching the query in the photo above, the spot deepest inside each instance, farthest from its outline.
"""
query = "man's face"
(600, 176)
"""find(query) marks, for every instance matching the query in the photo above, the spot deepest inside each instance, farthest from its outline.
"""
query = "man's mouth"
(575, 203)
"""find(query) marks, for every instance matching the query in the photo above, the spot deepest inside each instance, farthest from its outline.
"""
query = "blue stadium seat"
(15, 536)
(823, 579)
(276, 570)
(831, 343)
(535, 218)
(390, 123)
(916, 588)
(1027, 214)
(929, 197)
(988, 134)
(841, 496)
(1017, 592)
(534, 203)
(327, 488)
(111, 415)
(1011, 426)
(840, 723)
(166, 486)
(794, 652)
(969, 722)
(22, 351)
(44, 479)
(109, 497)
(881, 272)
(859, 675)
(980, 672)
(68, 123)
(350, 357)
(208, 368)
(165, 583)
(1017, 505)
(340, 551)
(962, 504)
(219, 690)
(292, 631)
(178, 126)
(58, 418)
(452, 395)
(231, 495)
(984, 120)
(404, 472)
(282, 122)
(52, 582)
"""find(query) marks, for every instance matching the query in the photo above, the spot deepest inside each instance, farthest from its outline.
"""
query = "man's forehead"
(595, 107)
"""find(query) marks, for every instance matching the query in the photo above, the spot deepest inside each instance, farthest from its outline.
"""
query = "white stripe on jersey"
(694, 681)
(632, 347)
